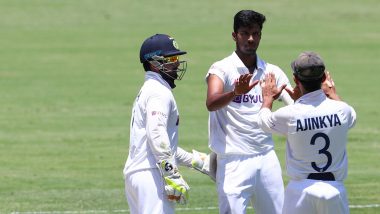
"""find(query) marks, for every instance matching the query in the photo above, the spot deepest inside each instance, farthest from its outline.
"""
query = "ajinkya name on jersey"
(248, 98)
(318, 122)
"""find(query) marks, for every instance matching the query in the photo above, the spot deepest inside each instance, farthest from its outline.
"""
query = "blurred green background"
(69, 73)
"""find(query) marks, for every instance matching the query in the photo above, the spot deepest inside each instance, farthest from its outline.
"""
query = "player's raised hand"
(294, 93)
(269, 87)
(243, 84)
(176, 187)
(328, 82)
(328, 87)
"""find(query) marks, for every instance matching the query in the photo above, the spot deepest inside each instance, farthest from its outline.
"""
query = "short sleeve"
(216, 70)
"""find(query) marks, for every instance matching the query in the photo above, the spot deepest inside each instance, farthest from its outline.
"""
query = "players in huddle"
(240, 93)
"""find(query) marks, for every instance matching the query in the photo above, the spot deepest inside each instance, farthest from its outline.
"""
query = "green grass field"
(69, 72)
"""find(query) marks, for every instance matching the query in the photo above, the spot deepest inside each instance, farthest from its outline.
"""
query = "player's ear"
(234, 36)
(154, 66)
(295, 79)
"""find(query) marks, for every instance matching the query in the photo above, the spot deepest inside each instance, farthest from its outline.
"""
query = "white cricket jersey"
(316, 128)
(233, 129)
(154, 125)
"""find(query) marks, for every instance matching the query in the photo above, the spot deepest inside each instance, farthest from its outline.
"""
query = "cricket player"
(316, 127)
(153, 183)
(248, 170)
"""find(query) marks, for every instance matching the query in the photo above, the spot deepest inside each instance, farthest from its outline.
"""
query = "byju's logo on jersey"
(248, 98)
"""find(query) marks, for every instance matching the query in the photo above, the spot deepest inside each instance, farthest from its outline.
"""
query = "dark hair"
(247, 18)
(311, 85)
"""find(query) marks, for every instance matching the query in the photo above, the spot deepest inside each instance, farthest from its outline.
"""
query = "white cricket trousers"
(250, 179)
(315, 197)
(145, 193)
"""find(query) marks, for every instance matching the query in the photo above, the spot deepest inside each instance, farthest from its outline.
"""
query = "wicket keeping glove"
(205, 163)
(176, 187)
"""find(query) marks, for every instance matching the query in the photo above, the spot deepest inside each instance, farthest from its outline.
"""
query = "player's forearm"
(218, 101)
(263, 119)
(267, 102)
(161, 151)
(285, 98)
(183, 157)
(158, 140)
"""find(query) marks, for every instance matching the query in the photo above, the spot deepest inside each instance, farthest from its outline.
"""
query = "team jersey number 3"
(323, 151)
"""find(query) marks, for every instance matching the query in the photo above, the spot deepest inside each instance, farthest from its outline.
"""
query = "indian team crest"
(175, 44)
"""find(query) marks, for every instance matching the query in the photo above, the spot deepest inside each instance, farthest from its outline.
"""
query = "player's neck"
(249, 60)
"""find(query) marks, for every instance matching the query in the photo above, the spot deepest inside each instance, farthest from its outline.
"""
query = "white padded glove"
(205, 163)
(176, 187)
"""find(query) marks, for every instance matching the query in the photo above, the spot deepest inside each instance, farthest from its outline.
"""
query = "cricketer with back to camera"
(316, 127)
(153, 183)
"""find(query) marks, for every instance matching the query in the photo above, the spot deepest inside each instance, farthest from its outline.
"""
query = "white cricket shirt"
(233, 129)
(154, 125)
(316, 128)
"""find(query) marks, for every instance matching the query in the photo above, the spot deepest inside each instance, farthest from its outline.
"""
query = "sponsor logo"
(248, 98)
(168, 167)
(158, 113)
